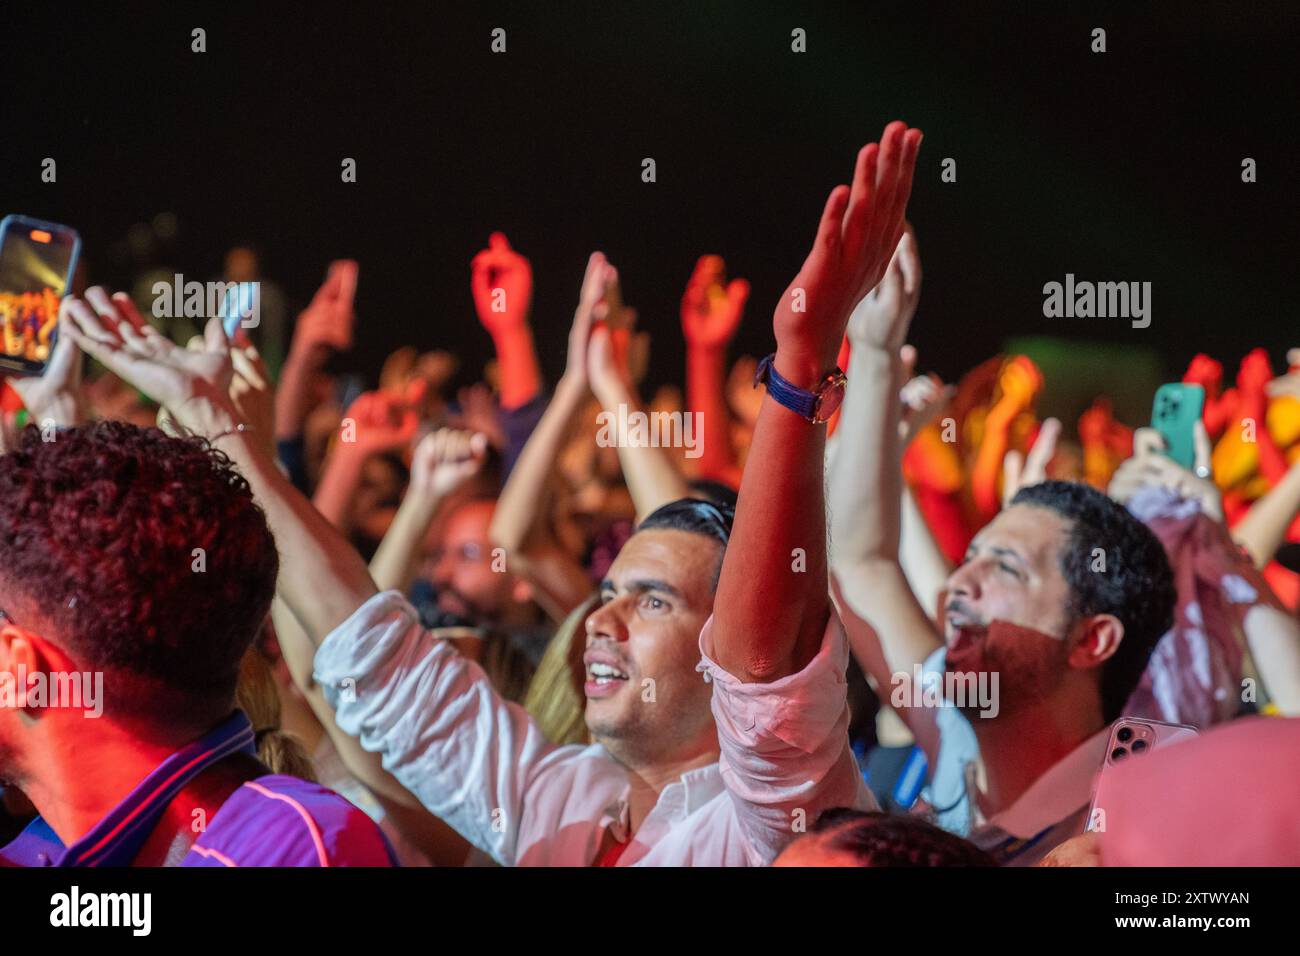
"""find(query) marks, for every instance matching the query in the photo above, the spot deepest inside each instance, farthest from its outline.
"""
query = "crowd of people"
(848, 615)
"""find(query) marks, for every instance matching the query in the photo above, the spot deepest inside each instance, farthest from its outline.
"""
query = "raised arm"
(501, 281)
(325, 326)
(322, 577)
(772, 605)
(711, 313)
(652, 478)
(521, 499)
(888, 629)
(443, 461)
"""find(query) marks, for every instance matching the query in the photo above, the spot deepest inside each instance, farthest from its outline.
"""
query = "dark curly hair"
(99, 538)
(881, 839)
(1137, 586)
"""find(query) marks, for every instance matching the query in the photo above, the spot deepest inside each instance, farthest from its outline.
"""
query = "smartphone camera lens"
(1118, 753)
(1139, 746)
(1124, 735)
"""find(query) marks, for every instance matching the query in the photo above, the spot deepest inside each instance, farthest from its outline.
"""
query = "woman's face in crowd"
(642, 687)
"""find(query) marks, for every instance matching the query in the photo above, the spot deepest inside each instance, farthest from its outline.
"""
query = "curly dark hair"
(100, 531)
(1137, 586)
(882, 839)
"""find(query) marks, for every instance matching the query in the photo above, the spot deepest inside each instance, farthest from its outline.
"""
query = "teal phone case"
(1176, 408)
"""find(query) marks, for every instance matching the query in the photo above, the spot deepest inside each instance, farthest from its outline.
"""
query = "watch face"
(829, 398)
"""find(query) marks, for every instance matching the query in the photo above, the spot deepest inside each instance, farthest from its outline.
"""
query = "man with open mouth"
(715, 667)
(1058, 604)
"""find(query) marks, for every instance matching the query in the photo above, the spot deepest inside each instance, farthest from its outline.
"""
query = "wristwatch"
(816, 406)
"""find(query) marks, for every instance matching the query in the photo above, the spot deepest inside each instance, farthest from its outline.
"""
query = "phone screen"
(36, 262)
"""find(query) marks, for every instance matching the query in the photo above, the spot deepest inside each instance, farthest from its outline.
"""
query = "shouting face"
(1008, 605)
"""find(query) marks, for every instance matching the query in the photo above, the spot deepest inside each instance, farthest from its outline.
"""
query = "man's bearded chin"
(1029, 663)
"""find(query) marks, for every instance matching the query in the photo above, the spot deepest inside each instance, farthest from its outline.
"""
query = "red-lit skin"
(771, 617)
(500, 267)
(73, 768)
(1006, 613)
(811, 850)
(655, 601)
(323, 327)
(711, 313)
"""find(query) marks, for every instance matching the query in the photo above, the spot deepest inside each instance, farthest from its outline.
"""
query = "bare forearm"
(322, 578)
(338, 486)
(394, 561)
(521, 499)
(651, 477)
(706, 397)
(866, 478)
(772, 604)
(924, 564)
(521, 377)
(1263, 529)
(291, 394)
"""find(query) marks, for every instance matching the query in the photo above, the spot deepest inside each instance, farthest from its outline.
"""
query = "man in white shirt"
(666, 781)
(661, 785)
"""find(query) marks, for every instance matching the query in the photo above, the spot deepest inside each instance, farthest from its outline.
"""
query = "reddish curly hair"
(99, 531)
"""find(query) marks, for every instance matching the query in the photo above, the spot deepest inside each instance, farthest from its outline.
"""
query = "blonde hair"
(555, 698)
(258, 696)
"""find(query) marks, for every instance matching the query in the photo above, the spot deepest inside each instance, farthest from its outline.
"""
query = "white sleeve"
(443, 731)
(785, 754)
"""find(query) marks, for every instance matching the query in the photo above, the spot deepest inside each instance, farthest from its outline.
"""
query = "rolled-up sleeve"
(785, 754)
(442, 730)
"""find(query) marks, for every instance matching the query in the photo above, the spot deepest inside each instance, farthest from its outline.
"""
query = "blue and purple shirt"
(271, 821)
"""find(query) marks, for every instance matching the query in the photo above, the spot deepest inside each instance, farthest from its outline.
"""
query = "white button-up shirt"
(480, 763)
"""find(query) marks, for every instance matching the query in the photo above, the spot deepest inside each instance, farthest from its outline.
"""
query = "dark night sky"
(1121, 166)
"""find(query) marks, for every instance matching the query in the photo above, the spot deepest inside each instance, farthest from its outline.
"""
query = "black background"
(1117, 166)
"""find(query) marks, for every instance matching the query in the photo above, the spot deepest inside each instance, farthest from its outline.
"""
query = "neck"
(77, 777)
(649, 781)
(1018, 748)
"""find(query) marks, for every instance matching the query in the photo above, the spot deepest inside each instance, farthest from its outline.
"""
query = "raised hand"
(712, 307)
(501, 281)
(381, 422)
(860, 228)
(444, 460)
(328, 319)
(882, 318)
(923, 398)
(55, 395)
(193, 385)
(597, 278)
(1020, 470)
(1150, 466)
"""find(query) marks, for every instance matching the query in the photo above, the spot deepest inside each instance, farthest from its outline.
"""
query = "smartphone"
(1176, 409)
(1130, 739)
(37, 261)
(240, 308)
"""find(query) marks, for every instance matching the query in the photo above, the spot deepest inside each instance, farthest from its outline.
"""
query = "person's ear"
(1098, 639)
(24, 653)
(18, 651)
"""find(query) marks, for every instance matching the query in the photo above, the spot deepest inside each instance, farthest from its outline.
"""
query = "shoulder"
(284, 821)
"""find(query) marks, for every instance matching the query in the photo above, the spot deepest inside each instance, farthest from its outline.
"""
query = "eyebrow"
(997, 550)
(641, 585)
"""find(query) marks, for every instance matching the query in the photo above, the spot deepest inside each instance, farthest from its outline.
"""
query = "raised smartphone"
(37, 261)
(1176, 409)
